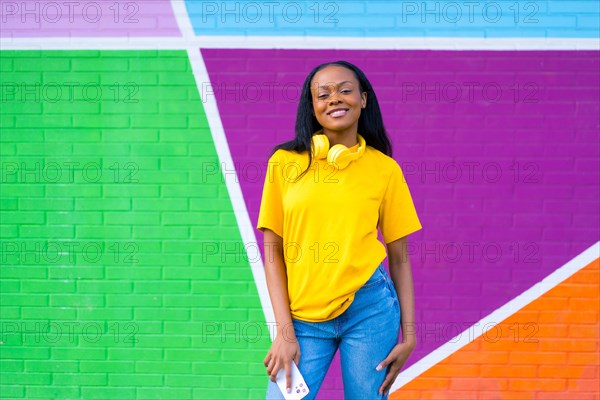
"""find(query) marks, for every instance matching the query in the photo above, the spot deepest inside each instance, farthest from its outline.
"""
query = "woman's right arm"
(285, 346)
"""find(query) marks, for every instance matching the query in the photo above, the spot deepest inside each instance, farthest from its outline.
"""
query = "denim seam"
(392, 293)
(373, 283)
(382, 278)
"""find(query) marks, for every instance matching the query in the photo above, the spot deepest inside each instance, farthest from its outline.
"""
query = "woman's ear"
(364, 100)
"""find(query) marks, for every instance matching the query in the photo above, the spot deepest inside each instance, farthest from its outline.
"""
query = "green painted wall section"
(114, 282)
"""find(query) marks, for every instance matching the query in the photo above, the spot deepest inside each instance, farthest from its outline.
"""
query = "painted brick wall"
(504, 180)
(129, 257)
(396, 18)
(109, 289)
(546, 350)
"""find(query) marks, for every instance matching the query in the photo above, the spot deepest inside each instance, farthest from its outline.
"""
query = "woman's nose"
(334, 100)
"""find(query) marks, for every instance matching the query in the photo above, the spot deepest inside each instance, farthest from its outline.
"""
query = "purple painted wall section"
(500, 150)
(46, 18)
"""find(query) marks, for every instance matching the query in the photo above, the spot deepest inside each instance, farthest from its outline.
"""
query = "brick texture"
(110, 287)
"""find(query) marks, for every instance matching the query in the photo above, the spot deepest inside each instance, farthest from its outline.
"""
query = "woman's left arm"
(400, 272)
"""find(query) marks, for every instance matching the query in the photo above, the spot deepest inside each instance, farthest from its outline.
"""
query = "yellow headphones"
(338, 155)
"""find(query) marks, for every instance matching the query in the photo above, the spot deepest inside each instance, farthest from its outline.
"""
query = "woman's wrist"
(286, 331)
(410, 340)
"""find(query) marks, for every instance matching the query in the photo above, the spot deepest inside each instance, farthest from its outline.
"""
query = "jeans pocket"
(377, 278)
(392, 292)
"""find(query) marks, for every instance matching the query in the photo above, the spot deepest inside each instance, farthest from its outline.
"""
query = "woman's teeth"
(337, 114)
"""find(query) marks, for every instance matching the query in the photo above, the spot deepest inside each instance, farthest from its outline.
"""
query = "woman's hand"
(395, 360)
(284, 349)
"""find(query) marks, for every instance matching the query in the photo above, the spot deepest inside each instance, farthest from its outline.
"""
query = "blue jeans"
(365, 334)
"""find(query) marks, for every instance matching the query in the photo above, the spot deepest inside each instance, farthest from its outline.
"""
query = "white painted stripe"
(292, 42)
(497, 316)
(184, 23)
(231, 179)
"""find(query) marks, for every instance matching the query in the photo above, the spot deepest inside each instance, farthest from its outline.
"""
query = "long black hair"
(370, 122)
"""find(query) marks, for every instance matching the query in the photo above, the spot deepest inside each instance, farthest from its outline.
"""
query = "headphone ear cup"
(320, 146)
(339, 155)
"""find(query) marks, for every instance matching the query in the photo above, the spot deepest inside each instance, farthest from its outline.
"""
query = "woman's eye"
(346, 90)
(322, 96)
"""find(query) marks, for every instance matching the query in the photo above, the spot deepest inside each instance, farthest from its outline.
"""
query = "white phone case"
(299, 386)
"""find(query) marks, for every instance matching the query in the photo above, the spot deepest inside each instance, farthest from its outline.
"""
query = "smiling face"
(337, 100)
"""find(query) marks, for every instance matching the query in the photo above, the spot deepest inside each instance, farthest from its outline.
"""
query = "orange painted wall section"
(536, 353)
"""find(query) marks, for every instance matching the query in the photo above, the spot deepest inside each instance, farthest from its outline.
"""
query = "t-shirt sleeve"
(397, 214)
(271, 206)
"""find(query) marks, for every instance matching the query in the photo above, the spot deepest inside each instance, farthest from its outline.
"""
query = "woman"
(325, 194)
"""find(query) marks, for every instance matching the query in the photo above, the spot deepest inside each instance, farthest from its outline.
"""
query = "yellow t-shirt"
(328, 220)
